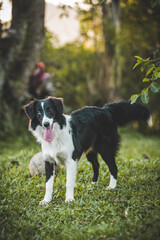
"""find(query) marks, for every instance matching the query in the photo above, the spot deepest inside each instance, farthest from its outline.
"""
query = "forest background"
(95, 69)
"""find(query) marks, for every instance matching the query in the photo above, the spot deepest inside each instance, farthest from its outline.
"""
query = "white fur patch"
(113, 183)
(71, 166)
(150, 122)
(45, 118)
(49, 191)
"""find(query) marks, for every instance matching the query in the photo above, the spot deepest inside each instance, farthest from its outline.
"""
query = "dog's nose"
(46, 124)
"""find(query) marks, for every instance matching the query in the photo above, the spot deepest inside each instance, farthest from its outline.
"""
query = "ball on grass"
(37, 165)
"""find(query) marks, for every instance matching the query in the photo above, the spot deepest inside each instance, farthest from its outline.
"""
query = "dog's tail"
(125, 112)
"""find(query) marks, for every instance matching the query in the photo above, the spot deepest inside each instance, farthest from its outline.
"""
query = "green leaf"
(133, 98)
(145, 96)
(142, 68)
(150, 69)
(145, 80)
(138, 57)
(139, 61)
(136, 65)
(157, 74)
(155, 87)
(144, 90)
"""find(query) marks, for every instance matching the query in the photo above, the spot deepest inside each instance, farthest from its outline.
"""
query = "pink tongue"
(48, 134)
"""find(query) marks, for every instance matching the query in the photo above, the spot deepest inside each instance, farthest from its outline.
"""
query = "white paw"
(43, 202)
(69, 200)
(94, 182)
(110, 187)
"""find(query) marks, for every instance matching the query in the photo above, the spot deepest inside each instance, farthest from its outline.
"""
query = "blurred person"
(39, 86)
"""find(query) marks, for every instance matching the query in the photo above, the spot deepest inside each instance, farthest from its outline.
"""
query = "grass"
(131, 211)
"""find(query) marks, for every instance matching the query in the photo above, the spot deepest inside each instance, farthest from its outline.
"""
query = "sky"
(5, 13)
(66, 29)
(67, 2)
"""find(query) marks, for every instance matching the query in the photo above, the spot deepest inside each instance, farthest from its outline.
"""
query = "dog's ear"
(58, 104)
(29, 109)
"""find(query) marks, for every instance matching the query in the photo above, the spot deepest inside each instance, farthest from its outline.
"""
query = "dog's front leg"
(71, 167)
(49, 183)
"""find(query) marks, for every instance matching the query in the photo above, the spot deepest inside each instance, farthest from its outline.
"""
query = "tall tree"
(104, 20)
(110, 69)
(19, 50)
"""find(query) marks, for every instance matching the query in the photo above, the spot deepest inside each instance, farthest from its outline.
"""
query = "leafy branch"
(151, 69)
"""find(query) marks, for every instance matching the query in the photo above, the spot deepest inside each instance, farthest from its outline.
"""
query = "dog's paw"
(69, 200)
(43, 202)
(110, 187)
(95, 182)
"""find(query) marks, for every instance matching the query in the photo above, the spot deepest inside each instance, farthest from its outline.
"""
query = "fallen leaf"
(126, 212)
(145, 156)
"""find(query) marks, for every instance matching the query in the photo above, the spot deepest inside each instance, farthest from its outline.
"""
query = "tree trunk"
(21, 48)
(116, 19)
(110, 72)
(19, 51)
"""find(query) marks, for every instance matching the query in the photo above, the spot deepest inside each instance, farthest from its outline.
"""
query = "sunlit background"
(65, 28)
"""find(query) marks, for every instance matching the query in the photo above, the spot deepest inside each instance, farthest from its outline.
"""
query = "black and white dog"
(90, 130)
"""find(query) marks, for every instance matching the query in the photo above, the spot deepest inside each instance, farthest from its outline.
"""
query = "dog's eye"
(49, 111)
(39, 114)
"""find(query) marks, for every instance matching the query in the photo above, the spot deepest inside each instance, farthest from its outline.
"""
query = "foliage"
(151, 69)
(78, 64)
(139, 21)
(72, 64)
(131, 211)
(91, 26)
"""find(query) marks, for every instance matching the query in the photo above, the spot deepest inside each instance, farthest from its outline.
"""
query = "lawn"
(131, 211)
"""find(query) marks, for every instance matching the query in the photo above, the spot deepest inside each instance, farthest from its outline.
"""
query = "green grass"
(131, 211)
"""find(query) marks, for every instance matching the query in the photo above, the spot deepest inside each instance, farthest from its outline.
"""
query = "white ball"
(37, 165)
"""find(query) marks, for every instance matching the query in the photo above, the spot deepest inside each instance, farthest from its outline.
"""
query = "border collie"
(90, 130)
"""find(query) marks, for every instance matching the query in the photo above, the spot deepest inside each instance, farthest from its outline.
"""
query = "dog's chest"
(61, 147)
(55, 151)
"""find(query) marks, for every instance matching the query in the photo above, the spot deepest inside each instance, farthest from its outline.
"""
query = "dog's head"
(45, 113)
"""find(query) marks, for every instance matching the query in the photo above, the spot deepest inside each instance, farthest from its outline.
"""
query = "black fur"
(96, 129)
(125, 112)
(48, 169)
